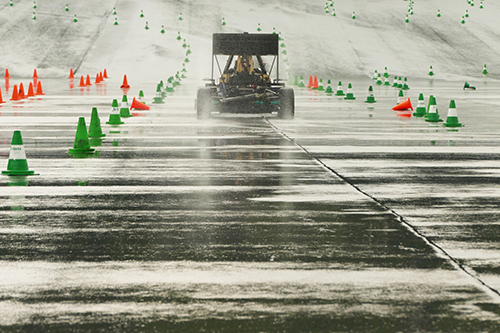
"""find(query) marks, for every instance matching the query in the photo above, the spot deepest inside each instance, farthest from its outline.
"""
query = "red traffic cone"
(315, 82)
(125, 83)
(310, 84)
(15, 94)
(35, 76)
(31, 93)
(105, 73)
(1, 100)
(21, 91)
(39, 90)
(101, 78)
(403, 106)
(82, 81)
(97, 78)
(88, 83)
(138, 105)
(7, 76)
(71, 74)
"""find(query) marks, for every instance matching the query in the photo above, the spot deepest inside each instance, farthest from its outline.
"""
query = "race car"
(249, 81)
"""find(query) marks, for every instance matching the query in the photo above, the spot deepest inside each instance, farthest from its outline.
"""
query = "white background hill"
(316, 42)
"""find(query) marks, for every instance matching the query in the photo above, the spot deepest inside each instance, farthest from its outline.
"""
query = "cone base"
(434, 120)
(19, 173)
(453, 125)
(115, 122)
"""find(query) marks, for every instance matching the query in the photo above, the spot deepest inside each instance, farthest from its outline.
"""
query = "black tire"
(287, 103)
(204, 103)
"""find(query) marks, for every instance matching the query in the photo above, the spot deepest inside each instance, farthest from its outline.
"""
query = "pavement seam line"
(492, 292)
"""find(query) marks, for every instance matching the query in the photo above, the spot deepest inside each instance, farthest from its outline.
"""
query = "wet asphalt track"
(344, 219)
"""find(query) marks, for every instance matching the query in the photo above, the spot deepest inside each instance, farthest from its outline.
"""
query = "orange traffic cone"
(403, 106)
(35, 76)
(105, 73)
(7, 76)
(138, 105)
(88, 83)
(21, 91)
(82, 81)
(125, 83)
(15, 94)
(315, 82)
(101, 78)
(71, 74)
(39, 90)
(97, 78)
(1, 100)
(31, 93)
(310, 84)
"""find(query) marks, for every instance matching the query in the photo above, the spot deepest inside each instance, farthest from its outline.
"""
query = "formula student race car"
(245, 84)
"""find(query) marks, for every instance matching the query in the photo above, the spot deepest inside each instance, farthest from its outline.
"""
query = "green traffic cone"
(158, 99)
(301, 82)
(340, 90)
(114, 116)
(370, 98)
(421, 110)
(349, 95)
(468, 86)
(320, 85)
(485, 71)
(379, 80)
(431, 71)
(452, 118)
(296, 82)
(433, 114)
(400, 83)
(17, 165)
(141, 97)
(95, 130)
(329, 89)
(124, 108)
(405, 84)
(432, 101)
(395, 82)
(81, 147)
(401, 97)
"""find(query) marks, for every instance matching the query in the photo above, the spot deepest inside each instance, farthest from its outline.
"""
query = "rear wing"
(230, 44)
(245, 43)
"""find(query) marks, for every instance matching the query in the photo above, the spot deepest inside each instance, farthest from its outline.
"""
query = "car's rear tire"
(287, 103)
(204, 103)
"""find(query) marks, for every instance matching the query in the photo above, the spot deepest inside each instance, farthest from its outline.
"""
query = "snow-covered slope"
(316, 42)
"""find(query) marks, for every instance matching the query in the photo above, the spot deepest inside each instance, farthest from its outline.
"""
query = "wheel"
(287, 104)
(204, 103)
